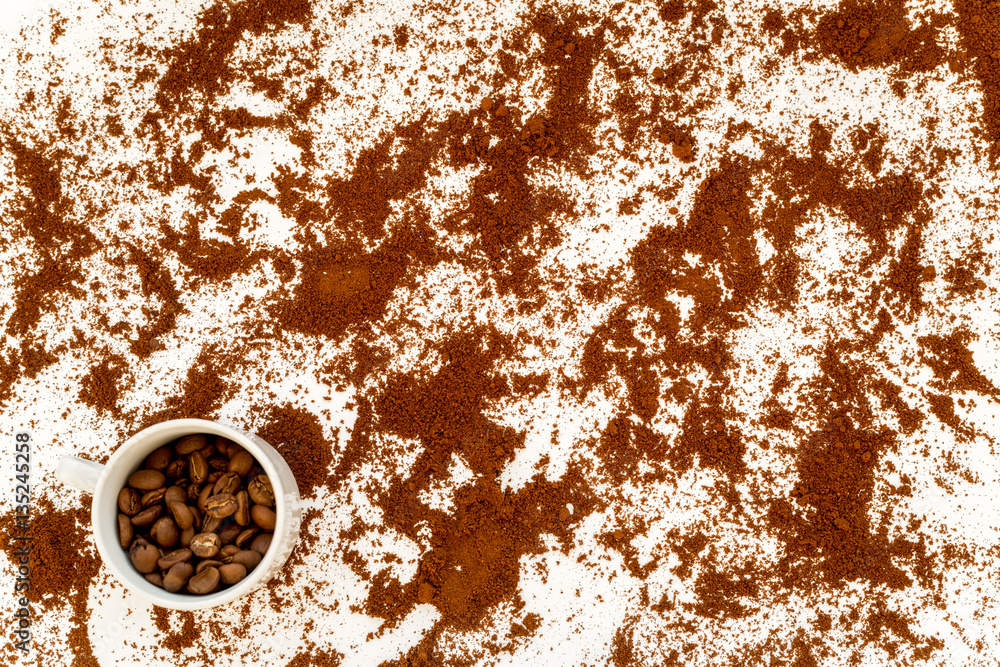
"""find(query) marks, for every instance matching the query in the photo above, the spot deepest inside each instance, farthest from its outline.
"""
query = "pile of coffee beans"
(198, 516)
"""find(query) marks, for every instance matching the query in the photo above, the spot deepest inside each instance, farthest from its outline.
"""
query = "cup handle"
(80, 473)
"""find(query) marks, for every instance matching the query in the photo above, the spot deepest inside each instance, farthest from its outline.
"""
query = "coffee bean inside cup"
(197, 516)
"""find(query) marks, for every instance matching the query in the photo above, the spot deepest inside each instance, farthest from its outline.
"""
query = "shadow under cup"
(129, 457)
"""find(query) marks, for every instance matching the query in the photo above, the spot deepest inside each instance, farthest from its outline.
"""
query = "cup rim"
(104, 498)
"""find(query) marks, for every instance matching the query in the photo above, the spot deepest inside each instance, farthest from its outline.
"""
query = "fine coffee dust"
(628, 322)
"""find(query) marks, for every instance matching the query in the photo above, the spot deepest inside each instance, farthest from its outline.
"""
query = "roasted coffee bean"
(193, 491)
(144, 556)
(199, 467)
(177, 576)
(242, 514)
(211, 562)
(175, 494)
(165, 532)
(153, 497)
(243, 539)
(248, 558)
(225, 446)
(155, 578)
(218, 463)
(263, 517)
(190, 443)
(146, 480)
(125, 531)
(148, 516)
(261, 543)
(227, 483)
(221, 505)
(159, 459)
(211, 524)
(186, 536)
(197, 515)
(241, 463)
(175, 469)
(232, 573)
(174, 557)
(203, 497)
(129, 501)
(205, 582)
(229, 533)
(212, 478)
(205, 545)
(227, 552)
(261, 491)
(182, 515)
(207, 451)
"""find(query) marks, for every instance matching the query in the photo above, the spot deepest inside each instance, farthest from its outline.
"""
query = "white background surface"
(583, 604)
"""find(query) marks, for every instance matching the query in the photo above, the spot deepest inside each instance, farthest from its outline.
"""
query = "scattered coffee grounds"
(298, 436)
(980, 33)
(156, 282)
(63, 563)
(593, 334)
(316, 658)
(472, 563)
(861, 34)
(179, 638)
(952, 363)
(963, 276)
(203, 391)
(103, 384)
(830, 528)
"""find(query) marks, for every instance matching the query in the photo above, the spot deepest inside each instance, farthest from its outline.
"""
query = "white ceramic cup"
(106, 481)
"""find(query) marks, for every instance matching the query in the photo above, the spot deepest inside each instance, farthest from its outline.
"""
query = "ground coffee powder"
(678, 313)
